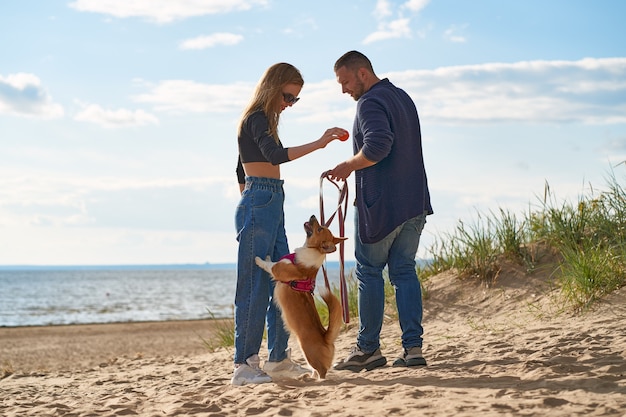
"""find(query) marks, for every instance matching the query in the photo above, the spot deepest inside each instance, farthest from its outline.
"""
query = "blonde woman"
(260, 224)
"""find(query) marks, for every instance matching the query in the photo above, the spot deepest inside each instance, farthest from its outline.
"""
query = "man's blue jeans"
(260, 224)
(397, 250)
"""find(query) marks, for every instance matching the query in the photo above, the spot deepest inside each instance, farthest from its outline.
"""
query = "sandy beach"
(499, 350)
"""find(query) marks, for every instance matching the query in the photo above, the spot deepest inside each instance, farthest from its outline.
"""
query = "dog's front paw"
(265, 265)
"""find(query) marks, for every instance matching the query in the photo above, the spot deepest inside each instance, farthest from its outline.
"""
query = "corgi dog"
(295, 276)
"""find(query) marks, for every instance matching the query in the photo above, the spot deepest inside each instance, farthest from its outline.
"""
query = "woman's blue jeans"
(260, 224)
(397, 250)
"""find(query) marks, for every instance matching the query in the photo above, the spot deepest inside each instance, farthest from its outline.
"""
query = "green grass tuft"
(589, 236)
(223, 333)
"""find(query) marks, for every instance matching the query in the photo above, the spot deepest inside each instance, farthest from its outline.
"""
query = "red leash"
(340, 211)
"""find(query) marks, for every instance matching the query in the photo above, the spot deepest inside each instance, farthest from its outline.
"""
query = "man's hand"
(344, 169)
(341, 171)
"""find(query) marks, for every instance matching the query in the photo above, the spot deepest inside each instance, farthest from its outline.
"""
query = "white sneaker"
(286, 368)
(250, 373)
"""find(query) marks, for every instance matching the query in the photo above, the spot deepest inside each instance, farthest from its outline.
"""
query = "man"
(392, 202)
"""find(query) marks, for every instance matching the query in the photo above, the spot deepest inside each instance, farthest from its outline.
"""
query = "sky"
(118, 117)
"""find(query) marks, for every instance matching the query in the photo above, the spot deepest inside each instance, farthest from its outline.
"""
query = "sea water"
(44, 297)
(81, 296)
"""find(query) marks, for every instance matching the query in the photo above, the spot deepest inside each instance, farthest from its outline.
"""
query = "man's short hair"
(354, 60)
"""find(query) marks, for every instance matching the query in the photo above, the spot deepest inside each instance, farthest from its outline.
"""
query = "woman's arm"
(295, 152)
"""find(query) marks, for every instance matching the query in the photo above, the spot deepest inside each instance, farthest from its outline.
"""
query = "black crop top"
(256, 145)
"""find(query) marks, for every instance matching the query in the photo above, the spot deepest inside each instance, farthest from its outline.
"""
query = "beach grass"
(588, 237)
(6, 370)
(352, 297)
(223, 333)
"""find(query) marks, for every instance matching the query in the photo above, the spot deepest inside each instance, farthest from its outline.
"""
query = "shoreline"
(27, 326)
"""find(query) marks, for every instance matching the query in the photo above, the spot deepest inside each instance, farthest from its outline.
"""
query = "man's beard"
(359, 90)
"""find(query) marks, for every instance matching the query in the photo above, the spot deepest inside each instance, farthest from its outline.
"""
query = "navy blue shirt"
(395, 189)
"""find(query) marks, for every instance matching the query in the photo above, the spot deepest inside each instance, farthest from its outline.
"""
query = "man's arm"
(344, 169)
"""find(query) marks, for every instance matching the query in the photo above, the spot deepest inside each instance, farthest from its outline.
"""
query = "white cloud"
(203, 42)
(107, 201)
(382, 9)
(415, 5)
(189, 96)
(22, 94)
(452, 34)
(89, 219)
(119, 118)
(163, 11)
(590, 91)
(399, 28)
(390, 28)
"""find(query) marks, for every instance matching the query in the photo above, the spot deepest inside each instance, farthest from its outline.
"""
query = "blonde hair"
(268, 91)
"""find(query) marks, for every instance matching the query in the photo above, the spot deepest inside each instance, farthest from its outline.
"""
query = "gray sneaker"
(411, 357)
(358, 360)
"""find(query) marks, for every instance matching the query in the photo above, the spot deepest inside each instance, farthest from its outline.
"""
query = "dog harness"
(307, 285)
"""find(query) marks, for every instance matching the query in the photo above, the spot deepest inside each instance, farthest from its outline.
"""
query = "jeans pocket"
(262, 198)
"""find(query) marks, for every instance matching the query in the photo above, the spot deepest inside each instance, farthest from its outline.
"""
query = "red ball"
(344, 137)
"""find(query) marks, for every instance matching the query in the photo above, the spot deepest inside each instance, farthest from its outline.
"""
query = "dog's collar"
(307, 285)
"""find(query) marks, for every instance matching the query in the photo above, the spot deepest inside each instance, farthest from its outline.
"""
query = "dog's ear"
(328, 247)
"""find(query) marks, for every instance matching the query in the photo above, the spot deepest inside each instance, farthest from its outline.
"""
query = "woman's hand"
(295, 152)
(332, 134)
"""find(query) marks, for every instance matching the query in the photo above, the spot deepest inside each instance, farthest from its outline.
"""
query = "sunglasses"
(290, 98)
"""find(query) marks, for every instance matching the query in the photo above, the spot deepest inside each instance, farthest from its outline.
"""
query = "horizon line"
(206, 265)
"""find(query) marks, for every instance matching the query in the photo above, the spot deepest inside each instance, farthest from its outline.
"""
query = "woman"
(260, 224)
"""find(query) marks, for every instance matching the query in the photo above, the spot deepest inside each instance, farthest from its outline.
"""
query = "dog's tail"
(335, 315)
